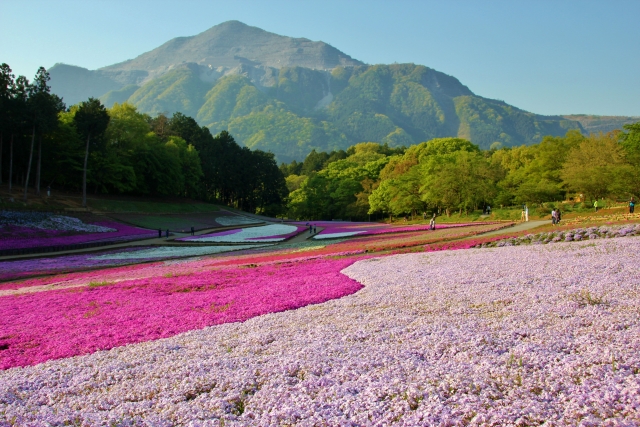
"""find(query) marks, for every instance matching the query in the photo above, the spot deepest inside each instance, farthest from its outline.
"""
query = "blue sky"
(548, 57)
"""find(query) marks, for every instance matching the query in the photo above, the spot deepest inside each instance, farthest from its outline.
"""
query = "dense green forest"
(444, 175)
(124, 151)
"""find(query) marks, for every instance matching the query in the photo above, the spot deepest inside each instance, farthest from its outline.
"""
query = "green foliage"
(284, 133)
(118, 96)
(597, 168)
(232, 96)
(180, 90)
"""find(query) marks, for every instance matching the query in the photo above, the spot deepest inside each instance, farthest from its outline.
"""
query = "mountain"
(604, 124)
(291, 95)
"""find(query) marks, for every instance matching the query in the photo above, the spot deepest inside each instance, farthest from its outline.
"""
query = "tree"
(6, 84)
(459, 180)
(630, 142)
(596, 167)
(91, 120)
(43, 109)
(17, 113)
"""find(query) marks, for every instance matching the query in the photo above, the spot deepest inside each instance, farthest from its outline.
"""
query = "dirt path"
(521, 226)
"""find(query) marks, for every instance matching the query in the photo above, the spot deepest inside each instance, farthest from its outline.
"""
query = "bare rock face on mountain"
(228, 48)
(233, 44)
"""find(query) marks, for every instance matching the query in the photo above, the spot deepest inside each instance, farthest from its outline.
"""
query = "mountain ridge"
(291, 95)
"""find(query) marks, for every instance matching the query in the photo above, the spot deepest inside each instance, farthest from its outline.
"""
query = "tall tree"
(18, 114)
(6, 83)
(91, 121)
(43, 109)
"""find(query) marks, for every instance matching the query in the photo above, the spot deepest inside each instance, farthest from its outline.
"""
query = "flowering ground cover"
(334, 230)
(49, 325)
(17, 269)
(254, 254)
(616, 217)
(523, 335)
(265, 233)
(22, 230)
(564, 235)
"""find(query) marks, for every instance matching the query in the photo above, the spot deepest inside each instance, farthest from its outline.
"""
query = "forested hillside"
(400, 104)
(124, 151)
(289, 95)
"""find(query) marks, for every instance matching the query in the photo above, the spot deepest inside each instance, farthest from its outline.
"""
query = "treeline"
(452, 174)
(43, 143)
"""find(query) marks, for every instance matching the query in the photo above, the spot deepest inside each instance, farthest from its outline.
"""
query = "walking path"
(528, 225)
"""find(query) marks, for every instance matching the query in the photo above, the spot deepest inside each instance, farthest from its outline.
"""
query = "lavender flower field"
(516, 335)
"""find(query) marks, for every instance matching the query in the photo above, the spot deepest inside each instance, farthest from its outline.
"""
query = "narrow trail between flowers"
(522, 226)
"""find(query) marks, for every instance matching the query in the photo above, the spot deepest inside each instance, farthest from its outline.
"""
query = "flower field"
(265, 233)
(521, 335)
(570, 235)
(321, 333)
(337, 229)
(62, 323)
(16, 269)
(20, 230)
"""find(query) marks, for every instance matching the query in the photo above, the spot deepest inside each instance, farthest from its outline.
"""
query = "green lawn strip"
(150, 207)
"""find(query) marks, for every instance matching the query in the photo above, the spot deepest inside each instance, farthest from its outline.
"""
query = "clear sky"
(547, 57)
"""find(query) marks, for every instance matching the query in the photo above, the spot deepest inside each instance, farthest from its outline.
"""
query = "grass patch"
(150, 207)
(585, 298)
(100, 284)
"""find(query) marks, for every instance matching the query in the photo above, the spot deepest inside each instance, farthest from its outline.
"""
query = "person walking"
(167, 234)
(193, 231)
(159, 233)
(632, 205)
(526, 213)
(310, 229)
(432, 223)
(554, 217)
(314, 229)
(558, 216)
(595, 205)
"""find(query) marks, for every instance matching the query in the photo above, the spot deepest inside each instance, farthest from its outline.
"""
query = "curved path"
(521, 226)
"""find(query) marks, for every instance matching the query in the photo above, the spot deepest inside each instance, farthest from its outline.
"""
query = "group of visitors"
(193, 232)
(312, 228)
(556, 216)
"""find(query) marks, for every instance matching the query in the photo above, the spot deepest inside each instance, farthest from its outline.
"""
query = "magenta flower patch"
(18, 237)
(50, 325)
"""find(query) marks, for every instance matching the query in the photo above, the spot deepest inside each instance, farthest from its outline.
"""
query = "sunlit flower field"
(326, 334)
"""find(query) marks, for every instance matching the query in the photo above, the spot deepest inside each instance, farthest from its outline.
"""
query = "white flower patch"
(66, 223)
(236, 220)
(269, 232)
(47, 221)
(173, 251)
(336, 235)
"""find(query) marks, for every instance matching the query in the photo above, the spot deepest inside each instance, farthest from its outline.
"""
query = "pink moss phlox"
(15, 237)
(50, 325)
